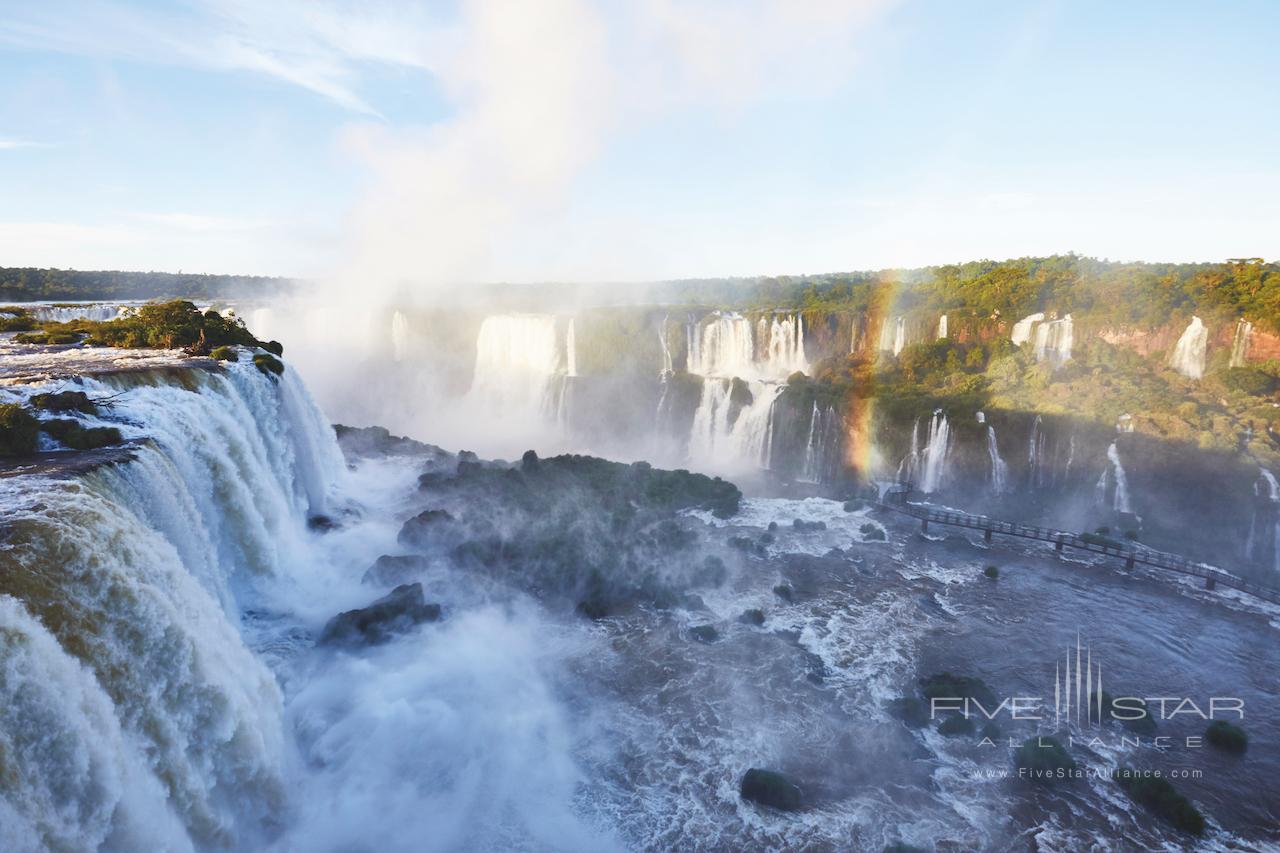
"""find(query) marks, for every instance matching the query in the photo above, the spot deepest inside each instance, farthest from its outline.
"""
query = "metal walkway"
(1132, 555)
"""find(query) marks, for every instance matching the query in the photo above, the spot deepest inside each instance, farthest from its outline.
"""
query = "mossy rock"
(274, 347)
(785, 592)
(65, 401)
(872, 532)
(771, 788)
(1158, 794)
(1046, 757)
(19, 430)
(268, 364)
(74, 435)
(224, 354)
(754, 616)
(47, 338)
(1227, 737)
(992, 572)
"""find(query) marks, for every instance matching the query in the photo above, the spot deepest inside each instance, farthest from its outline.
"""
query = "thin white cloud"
(200, 223)
(10, 143)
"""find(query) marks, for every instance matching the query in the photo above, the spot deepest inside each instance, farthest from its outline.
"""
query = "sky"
(532, 140)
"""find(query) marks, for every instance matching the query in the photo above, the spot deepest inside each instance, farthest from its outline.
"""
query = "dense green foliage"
(27, 284)
(1159, 795)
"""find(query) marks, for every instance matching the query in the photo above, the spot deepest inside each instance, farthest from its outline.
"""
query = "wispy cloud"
(10, 143)
(200, 223)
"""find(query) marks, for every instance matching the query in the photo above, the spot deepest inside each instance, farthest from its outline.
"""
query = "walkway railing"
(1131, 554)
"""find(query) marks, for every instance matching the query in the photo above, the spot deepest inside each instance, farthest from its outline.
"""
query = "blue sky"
(548, 139)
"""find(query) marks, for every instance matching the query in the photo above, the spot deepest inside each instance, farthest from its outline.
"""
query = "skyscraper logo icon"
(1077, 688)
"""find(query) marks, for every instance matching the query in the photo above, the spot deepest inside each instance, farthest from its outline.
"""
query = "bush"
(47, 338)
(19, 430)
(1226, 737)
(1159, 795)
(1250, 380)
(274, 347)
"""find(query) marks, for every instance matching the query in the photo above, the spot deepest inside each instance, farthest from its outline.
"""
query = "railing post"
(1210, 583)
(924, 525)
(986, 535)
(1128, 563)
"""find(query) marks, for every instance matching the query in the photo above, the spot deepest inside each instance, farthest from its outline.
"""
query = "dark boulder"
(393, 570)
(394, 613)
(65, 401)
(754, 616)
(431, 530)
(785, 592)
(770, 788)
(704, 633)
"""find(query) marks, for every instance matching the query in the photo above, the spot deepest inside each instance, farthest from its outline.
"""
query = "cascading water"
(726, 345)
(1036, 455)
(730, 437)
(910, 464)
(570, 351)
(934, 471)
(893, 335)
(1054, 341)
(66, 313)
(1022, 329)
(1240, 343)
(1188, 354)
(942, 327)
(1262, 545)
(520, 369)
(399, 336)
(823, 440)
(999, 468)
(1112, 490)
(166, 732)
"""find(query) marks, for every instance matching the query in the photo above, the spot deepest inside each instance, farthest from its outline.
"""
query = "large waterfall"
(727, 345)
(928, 467)
(822, 442)
(1188, 354)
(733, 435)
(521, 366)
(135, 713)
(1052, 340)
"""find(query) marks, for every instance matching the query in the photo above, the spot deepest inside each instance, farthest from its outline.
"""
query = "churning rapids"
(161, 686)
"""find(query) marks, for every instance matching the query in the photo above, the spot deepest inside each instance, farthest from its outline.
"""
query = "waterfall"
(822, 441)
(1240, 343)
(942, 327)
(725, 440)
(399, 336)
(1263, 542)
(1113, 486)
(135, 713)
(1036, 455)
(999, 468)
(1022, 329)
(66, 313)
(893, 335)
(1188, 354)
(570, 351)
(728, 345)
(667, 368)
(1054, 341)
(910, 463)
(936, 454)
(519, 368)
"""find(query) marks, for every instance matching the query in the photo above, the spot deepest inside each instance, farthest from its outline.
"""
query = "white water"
(1188, 354)
(1036, 457)
(721, 442)
(1263, 541)
(66, 313)
(1054, 341)
(1113, 486)
(519, 368)
(726, 345)
(1022, 329)
(893, 335)
(570, 351)
(1240, 343)
(999, 468)
(399, 336)
(823, 439)
(934, 470)
(942, 327)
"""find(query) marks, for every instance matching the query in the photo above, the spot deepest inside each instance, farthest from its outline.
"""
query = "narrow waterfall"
(782, 338)
(1188, 354)
(942, 327)
(667, 366)
(399, 336)
(729, 437)
(132, 713)
(1022, 329)
(519, 368)
(936, 455)
(1262, 546)
(1037, 477)
(999, 468)
(1113, 486)
(910, 464)
(1240, 343)
(570, 351)
(823, 441)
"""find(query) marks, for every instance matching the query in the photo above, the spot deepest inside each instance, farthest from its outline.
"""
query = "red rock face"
(1143, 341)
(1263, 346)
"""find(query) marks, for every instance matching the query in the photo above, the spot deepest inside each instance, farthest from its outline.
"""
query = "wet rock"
(321, 523)
(1226, 737)
(802, 526)
(771, 788)
(754, 616)
(393, 570)
(955, 725)
(394, 613)
(871, 532)
(693, 602)
(913, 713)
(65, 401)
(434, 529)
(785, 592)
(704, 633)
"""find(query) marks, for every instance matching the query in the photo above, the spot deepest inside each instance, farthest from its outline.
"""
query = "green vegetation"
(1159, 795)
(224, 353)
(268, 364)
(77, 437)
(19, 430)
(1227, 737)
(28, 284)
(65, 401)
